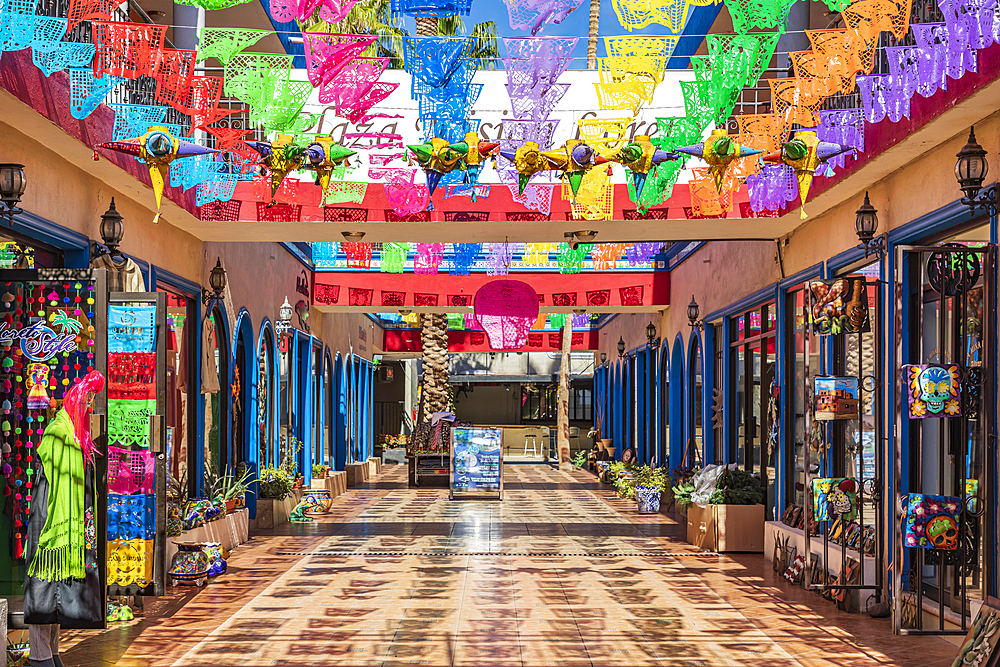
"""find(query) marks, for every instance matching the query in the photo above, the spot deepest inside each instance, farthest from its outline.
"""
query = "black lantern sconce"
(12, 185)
(970, 171)
(217, 281)
(621, 347)
(651, 334)
(865, 226)
(112, 230)
(692, 313)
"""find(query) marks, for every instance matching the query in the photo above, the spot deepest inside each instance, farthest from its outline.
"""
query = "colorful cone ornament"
(805, 153)
(280, 156)
(572, 160)
(640, 157)
(158, 148)
(438, 157)
(324, 155)
(478, 152)
(719, 150)
(527, 161)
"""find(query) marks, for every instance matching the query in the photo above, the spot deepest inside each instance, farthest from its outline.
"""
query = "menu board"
(477, 462)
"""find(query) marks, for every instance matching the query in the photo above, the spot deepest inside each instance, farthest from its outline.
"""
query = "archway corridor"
(560, 572)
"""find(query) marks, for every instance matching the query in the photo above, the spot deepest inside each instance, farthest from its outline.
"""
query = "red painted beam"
(592, 290)
(408, 340)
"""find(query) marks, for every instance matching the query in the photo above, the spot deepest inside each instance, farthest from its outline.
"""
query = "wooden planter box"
(726, 527)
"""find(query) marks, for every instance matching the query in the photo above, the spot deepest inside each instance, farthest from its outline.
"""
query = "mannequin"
(62, 584)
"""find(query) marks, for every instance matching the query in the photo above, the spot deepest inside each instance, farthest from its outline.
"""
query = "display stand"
(476, 469)
(427, 467)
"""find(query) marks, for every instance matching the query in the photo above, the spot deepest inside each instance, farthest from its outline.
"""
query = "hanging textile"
(463, 257)
(640, 254)
(537, 254)
(498, 258)
(224, 43)
(394, 257)
(359, 255)
(570, 260)
(605, 255)
(428, 259)
(209, 369)
(533, 15)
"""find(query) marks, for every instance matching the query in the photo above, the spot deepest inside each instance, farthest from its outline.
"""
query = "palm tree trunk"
(427, 26)
(595, 20)
(434, 343)
(562, 410)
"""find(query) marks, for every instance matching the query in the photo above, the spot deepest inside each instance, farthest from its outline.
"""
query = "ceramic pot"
(230, 505)
(649, 499)
(320, 501)
(189, 565)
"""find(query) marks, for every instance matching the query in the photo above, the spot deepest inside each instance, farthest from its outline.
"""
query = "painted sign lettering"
(38, 342)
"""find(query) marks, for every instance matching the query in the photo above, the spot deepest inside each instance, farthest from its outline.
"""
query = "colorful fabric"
(131, 328)
(932, 522)
(130, 472)
(835, 498)
(130, 562)
(131, 517)
(128, 421)
(61, 545)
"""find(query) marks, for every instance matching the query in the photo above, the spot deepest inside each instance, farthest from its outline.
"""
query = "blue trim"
(284, 30)
(699, 24)
(340, 414)
(690, 408)
(795, 279)
(74, 245)
(663, 416)
(641, 406)
(301, 252)
(677, 395)
(243, 332)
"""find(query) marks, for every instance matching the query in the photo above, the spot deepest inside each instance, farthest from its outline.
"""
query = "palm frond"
(485, 48)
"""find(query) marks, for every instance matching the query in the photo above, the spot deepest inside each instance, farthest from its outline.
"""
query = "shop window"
(799, 371)
(752, 355)
(579, 404)
(219, 448)
(715, 414)
(664, 398)
(181, 402)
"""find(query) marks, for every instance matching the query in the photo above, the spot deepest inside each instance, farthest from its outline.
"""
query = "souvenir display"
(319, 501)
(933, 390)
(189, 565)
(835, 398)
(932, 522)
(980, 644)
(835, 498)
(216, 558)
(839, 306)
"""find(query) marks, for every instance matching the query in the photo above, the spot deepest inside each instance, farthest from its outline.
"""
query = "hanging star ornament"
(572, 160)
(805, 153)
(719, 151)
(640, 156)
(438, 157)
(281, 156)
(323, 155)
(528, 161)
(158, 147)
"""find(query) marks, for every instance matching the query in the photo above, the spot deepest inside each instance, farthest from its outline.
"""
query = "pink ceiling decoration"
(506, 309)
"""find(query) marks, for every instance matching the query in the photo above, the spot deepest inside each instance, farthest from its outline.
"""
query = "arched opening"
(676, 441)
(218, 443)
(328, 413)
(340, 416)
(663, 396)
(695, 405)
(267, 454)
(243, 436)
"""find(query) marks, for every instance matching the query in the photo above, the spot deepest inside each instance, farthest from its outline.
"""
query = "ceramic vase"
(649, 499)
(189, 565)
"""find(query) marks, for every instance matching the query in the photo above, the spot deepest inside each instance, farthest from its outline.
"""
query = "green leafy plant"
(289, 451)
(682, 494)
(651, 478)
(623, 479)
(238, 483)
(580, 459)
(275, 483)
(320, 469)
(737, 487)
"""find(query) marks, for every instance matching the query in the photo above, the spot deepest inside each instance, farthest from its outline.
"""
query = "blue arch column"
(641, 406)
(677, 395)
(248, 391)
(306, 404)
(617, 400)
(662, 415)
(339, 414)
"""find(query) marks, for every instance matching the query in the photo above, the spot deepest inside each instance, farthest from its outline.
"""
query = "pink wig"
(76, 404)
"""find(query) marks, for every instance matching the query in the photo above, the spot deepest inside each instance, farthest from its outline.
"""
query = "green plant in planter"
(320, 470)
(580, 459)
(737, 487)
(237, 484)
(623, 479)
(275, 483)
(651, 478)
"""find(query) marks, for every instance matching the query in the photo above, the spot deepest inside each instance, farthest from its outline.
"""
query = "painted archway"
(663, 405)
(695, 404)
(340, 413)
(677, 394)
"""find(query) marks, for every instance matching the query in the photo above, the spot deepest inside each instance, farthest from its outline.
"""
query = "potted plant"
(275, 483)
(648, 485)
(320, 471)
(622, 477)
(235, 486)
(725, 509)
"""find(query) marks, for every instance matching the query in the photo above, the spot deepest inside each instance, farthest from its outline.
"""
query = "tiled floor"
(559, 573)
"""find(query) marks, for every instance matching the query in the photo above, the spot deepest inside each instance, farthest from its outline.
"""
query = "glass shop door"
(945, 378)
